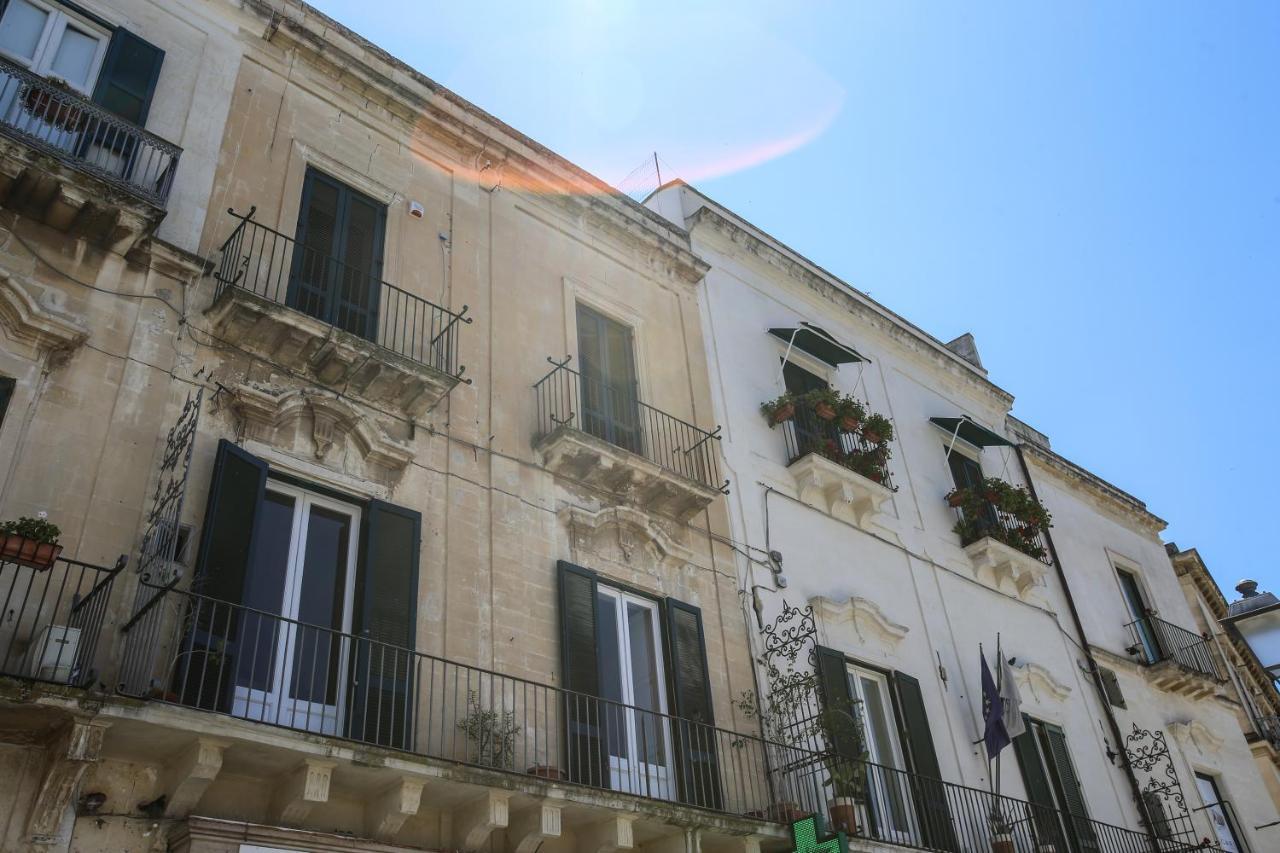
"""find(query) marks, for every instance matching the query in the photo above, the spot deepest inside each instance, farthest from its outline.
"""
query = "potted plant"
(1001, 832)
(492, 733)
(52, 106)
(850, 412)
(846, 777)
(780, 409)
(31, 542)
(824, 403)
(876, 429)
(956, 498)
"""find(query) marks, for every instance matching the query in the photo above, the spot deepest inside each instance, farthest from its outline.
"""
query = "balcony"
(1001, 528)
(838, 470)
(1177, 660)
(223, 692)
(334, 323)
(612, 442)
(77, 167)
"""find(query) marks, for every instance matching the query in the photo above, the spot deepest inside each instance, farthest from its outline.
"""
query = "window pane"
(611, 675)
(320, 601)
(644, 679)
(264, 590)
(21, 28)
(73, 59)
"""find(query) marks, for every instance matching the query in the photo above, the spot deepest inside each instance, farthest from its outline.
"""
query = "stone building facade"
(414, 495)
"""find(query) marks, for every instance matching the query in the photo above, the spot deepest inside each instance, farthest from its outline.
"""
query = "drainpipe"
(1113, 724)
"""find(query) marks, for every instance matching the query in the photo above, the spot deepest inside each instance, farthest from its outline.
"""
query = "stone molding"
(36, 320)
(634, 530)
(864, 615)
(1197, 734)
(1040, 683)
(836, 490)
(1005, 569)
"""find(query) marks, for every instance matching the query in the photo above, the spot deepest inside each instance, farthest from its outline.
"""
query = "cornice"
(35, 319)
(1119, 502)
(501, 155)
(826, 286)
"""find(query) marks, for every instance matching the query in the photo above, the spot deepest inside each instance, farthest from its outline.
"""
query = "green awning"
(971, 431)
(818, 343)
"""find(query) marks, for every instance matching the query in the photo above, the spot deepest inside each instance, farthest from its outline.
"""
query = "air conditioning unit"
(53, 654)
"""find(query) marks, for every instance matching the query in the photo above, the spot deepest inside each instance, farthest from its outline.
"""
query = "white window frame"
(895, 760)
(54, 28)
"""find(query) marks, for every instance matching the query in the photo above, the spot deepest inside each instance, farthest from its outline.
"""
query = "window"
(336, 275)
(7, 384)
(53, 42)
(610, 393)
(1053, 785)
(810, 433)
(649, 731)
(895, 735)
(1139, 614)
(1217, 810)
(289, 577)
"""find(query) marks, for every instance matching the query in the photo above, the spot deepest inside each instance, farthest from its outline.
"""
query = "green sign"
(805, 833)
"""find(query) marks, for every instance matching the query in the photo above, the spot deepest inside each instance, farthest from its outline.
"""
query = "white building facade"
(857, 569)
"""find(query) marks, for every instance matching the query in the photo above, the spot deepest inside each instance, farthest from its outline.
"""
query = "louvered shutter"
(231, 515)
(128, 77)
(1039, 793)
(695, 734)
(1111, 685)
(930, 793)
(385, 608)
(586, 760)
(1069, 789)
(833, 688)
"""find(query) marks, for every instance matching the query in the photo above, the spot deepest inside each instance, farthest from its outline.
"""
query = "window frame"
(55, 27)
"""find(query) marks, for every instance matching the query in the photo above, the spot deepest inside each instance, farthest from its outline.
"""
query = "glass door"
(292, 644)
(888, 794)
(337, 265)
(638, 736)
(1141, 615)
(610, 397)
(1212, 798)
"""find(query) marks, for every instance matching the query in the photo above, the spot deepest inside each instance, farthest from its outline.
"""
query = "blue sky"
(1093, 190)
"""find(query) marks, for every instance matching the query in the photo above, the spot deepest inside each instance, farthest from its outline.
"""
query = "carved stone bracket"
(68, 754)
(32, 316)
(189, 774)
(866, 618)
(300, 791)
(534, 825)
(329, 429)
(627, 529)
(1006, 569)
(476, 821)
(838, 491)
(608, 836)
(386, 812)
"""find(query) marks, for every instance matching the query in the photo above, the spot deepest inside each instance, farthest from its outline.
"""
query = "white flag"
(1012, 701)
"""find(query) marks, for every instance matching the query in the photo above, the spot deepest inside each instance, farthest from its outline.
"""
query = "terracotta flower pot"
(844, 815)
(543, 771)
(849, 424)
(28, 552)
(872, 437)
(783, 413)
(825, 411)
(1003, 844)
(955, 499)
(787, 812)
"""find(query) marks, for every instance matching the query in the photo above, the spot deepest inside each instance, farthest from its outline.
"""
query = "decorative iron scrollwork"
(157, 562)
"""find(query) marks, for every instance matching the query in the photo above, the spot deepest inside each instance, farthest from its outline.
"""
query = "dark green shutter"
(128, 77)
(386, 596)
(833, 688)
(231, 516)
(695, 735)
(1159, 819)
(585, 758)
(930, 793)
(1111, 685)
(1069, 789)
(1036, 782)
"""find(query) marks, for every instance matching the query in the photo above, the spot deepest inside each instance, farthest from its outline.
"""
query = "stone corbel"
(633, 530)
(1040, 682)
(299, 791)
(386, 812)
(68, 754)
(476, 821)
(608, 836)
(530, 827)
(189, 774)
(685, 841)
(35, 320)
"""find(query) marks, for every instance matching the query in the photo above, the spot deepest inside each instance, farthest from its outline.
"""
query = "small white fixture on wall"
(416, 210)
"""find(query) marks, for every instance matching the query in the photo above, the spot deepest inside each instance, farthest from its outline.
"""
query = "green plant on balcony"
(823, 402)
(849, 413)
(491, 733)
(779, 409)
(31, 542)
(1001, 511)
(877, 429)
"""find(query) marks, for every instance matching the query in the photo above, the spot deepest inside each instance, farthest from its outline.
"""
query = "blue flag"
(994, 734)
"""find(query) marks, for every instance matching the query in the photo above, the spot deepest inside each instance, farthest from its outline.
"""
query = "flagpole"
(990, 778)
(999, 692)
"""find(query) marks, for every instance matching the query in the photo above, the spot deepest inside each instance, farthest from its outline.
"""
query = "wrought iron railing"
(1224, 821)
(567, 398)
(1267, 727)
(806, 433)
(988, 520)
(65, 125)
(192, 650)
(1157, 640)
(51, 619)
(271, 265)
